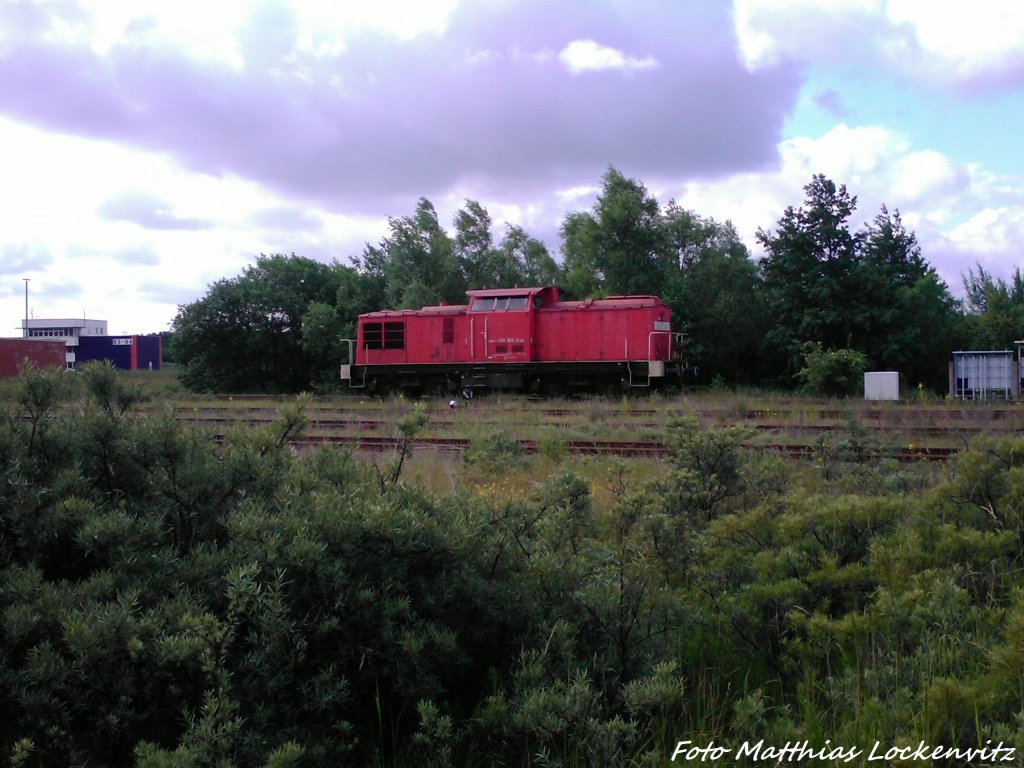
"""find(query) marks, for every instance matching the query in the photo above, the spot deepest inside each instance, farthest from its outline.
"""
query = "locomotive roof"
(609, 302)
(616, 302)
(444, 309)
(494, 292)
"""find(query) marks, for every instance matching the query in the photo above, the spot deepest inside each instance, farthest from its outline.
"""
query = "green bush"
(832, 372)
(167, 599)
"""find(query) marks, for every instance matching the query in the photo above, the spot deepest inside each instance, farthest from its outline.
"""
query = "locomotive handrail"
(351, 362)
(650, 341)
(650, 359)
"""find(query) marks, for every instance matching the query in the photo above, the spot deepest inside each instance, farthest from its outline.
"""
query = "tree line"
(822, 294)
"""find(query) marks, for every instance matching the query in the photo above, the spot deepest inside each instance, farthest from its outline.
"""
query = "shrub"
(832, 372)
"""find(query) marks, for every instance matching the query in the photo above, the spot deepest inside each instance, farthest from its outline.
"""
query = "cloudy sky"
(148, 148)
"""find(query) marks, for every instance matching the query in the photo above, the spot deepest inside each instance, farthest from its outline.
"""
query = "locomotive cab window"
(394, 335)
(373, 336)
(500, 304)
(384, 336)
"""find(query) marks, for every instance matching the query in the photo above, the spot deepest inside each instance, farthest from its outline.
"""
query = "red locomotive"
(517, 338)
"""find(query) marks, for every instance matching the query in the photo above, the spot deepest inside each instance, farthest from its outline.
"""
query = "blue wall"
(149, 350)
(119, 350)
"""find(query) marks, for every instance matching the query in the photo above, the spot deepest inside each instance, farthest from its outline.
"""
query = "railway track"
(623, 448)
(965, 431)
(788, 430)
(347, 405)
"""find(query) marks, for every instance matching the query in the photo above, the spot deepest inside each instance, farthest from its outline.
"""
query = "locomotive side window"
(373, 336)
(482, 305)
(394, 335)
(448, 331)
(501, 304)
(517, 302)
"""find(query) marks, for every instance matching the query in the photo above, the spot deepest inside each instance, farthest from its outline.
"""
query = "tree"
(715, 295)
(996, 306)
(418, 251)
(912, 317)
(869, 291)
(809, 273)
(246, 333)
(360, 290)
(525, 261)
(474, 247)
(616, 248)
(323, 343)
(583, 275)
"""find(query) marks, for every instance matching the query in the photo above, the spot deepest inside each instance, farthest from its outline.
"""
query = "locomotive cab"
(503, 323)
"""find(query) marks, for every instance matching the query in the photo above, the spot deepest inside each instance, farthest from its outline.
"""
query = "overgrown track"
(790, 427)
(623, 448)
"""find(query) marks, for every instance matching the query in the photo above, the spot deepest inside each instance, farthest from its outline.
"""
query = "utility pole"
(25, 330)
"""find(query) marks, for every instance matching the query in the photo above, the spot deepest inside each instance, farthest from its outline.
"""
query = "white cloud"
(851, 155)
(148, 211)
(588, 56)
(53, 188)
(210, 31)
(924, 175)
(969, 38)
(934, 41)
(481, 58)
(18, 258)
(768, 31)
(990, 234)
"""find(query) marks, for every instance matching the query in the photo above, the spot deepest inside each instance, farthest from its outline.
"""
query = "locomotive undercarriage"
(534, 378)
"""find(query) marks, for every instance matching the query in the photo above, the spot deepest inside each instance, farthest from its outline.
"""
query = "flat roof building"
(68, 330)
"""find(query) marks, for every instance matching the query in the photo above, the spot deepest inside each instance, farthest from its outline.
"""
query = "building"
(86, 340)
(69, 330)
(43, 353)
